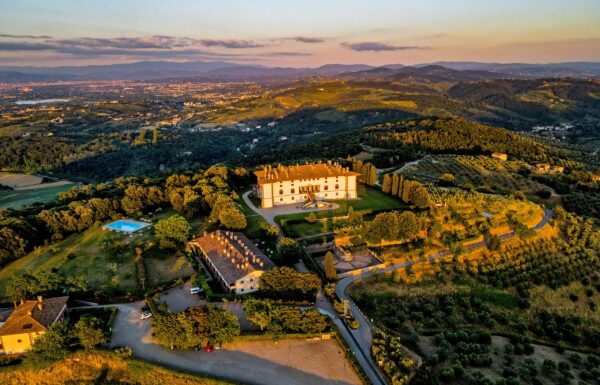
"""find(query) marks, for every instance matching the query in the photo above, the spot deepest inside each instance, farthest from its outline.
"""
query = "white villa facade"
(284, 185)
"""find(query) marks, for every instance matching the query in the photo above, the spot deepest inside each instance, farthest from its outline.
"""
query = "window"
(19, 341)
(251, 279)
(337, 186)
(326, 188)
(280, 191)
(242, 289)
(280, 199)
(293, 191)
(242, 282)
(251, 287)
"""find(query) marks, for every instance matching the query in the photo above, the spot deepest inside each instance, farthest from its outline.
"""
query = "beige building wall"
(18, 343)
(248, 284)
(291, 192)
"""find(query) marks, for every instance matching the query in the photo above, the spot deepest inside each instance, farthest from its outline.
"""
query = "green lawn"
(16, 199)
(167, 268)
(89, 258)
(254, 220)
(371, 200)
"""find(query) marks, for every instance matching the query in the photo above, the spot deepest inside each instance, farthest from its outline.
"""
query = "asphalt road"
(238, 366)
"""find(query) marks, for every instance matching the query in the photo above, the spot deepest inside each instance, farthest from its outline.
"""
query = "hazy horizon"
(287, 34)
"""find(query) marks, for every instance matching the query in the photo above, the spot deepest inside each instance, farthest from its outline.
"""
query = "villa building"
(233, 259)
(283, 185)
(30, 320)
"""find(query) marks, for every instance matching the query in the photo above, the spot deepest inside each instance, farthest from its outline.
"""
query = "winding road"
(360, 340)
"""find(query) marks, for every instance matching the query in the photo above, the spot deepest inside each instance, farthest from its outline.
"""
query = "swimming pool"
(126, 225)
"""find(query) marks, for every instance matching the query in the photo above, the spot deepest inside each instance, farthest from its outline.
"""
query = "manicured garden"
(370, 201)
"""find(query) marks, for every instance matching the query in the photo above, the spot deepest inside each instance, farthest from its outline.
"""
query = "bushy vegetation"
(195, 327)
(287, 284)
(277, 319)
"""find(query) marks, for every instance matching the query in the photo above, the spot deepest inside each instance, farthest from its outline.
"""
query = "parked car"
(145, 315)
(145, 308)
(208, 348)
(195, 290)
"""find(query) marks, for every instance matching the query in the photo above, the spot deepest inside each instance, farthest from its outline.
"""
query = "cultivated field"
(28, 189)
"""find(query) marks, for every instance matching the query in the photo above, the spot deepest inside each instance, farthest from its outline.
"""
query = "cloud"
(230, 43)
(157, 42)
(23, 46)
(307, 39)
(274, 54)
(10, 36)
(374, 46)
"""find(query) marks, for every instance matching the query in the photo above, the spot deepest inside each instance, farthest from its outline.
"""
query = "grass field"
(370, 201)
(15, 199)
(167, 268)
(253, 220)
(100, 368)
(88, 257)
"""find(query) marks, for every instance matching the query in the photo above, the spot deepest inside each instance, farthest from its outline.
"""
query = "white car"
(145, 315)
(195, 290)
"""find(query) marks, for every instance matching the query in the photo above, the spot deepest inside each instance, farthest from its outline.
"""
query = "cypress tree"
(395, 180)
(386, 186)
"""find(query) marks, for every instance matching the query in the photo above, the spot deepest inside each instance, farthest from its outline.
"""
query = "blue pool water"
(126, 225)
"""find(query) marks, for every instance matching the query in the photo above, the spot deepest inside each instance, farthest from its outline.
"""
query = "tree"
(289, 251)
(269, 231)
(88, 330)
(53, 345)
(222, 326)
(386, 186)
(133, 201)
(155, 135)
(258, 312)
(21, 287)
(408, 224)
(405, 190)
(287, 283)
(447, 179)
(370, 175)
(12, 246)
(384, 226)
(171, 232)
(395, 184)
(419, 197)
(232, 218)
(175, 331)
(311, 218)
(330, 272)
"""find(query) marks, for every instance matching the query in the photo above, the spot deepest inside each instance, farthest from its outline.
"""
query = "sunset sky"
(298, 33)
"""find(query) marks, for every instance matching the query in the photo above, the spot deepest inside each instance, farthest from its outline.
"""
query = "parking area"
(179, 298)
(265, 362)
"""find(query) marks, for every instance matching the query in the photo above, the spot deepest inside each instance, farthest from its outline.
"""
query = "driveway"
(235, 364)
(270, 214)
(363, 336)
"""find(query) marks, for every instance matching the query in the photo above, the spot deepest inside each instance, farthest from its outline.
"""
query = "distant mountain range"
(225, 71)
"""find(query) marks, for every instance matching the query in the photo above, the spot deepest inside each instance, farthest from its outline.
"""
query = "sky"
(305, 33)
